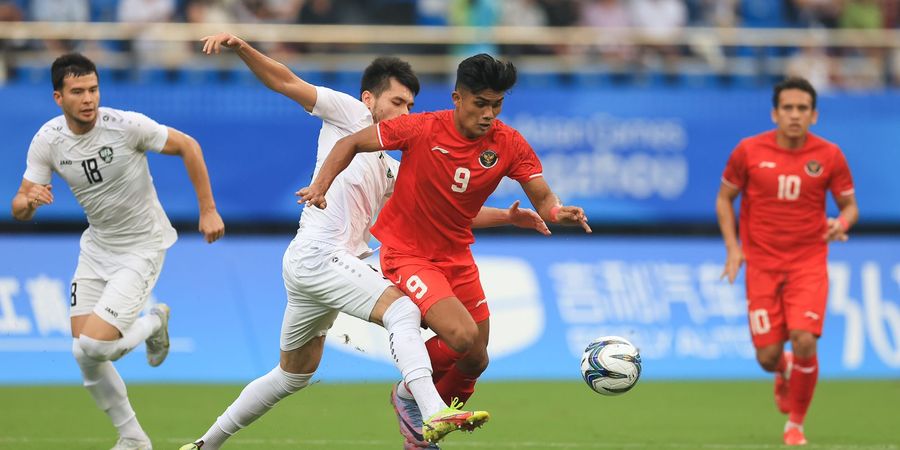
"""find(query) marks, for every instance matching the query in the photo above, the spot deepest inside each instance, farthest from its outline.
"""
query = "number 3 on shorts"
(416, 286)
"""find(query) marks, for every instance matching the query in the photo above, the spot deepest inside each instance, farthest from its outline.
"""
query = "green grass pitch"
(526, 415)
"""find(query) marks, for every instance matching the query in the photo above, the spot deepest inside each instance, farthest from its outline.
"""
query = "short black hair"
(793, 83)
(70, 64)
(482, 71)
(377, 77)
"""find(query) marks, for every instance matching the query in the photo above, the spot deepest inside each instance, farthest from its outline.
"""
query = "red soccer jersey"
(783, 194)
(444, 180)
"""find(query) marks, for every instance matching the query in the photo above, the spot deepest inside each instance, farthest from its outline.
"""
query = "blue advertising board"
(631, 156)
(548, 297)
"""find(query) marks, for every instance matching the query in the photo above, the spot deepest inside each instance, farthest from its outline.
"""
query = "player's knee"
(292, 382)
(803, 343)
(99, 350)
(768, 357)
(462, 337)
(402, 313)
(475, 362)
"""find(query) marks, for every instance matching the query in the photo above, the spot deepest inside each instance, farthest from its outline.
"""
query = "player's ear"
(457, 99)
(57, 97)
(368, 98)
(815, 117)
(774, 115)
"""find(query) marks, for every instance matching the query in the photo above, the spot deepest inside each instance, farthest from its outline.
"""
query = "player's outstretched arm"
(849, 214)
(275, 75)
(725, 213)
(180, 144)
(547, 204)
(29, 197)
(365, 140)
(521, 217)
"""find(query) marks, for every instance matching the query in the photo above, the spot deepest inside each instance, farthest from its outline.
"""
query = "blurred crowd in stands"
(827, 67)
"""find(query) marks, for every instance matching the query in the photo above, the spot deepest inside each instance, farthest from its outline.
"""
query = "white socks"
(255, 400)
(402, 320)
(108, 390)
(113, 350)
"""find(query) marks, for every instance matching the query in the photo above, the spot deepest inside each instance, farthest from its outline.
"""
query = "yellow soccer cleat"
(192, 446)
(451, 419)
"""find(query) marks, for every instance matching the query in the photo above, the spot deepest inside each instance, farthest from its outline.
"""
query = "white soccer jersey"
(360, 191)
(106, 168)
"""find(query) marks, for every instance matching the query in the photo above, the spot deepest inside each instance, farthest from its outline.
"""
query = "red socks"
(456, 384)
(804, 375)
(442, 357)
(448, 380)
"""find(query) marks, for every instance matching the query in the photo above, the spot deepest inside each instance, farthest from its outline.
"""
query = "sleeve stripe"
(378, 131)
(850, 191)
(730, 184)
(536, 175)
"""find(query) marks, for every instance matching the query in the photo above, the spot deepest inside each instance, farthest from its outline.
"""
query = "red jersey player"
(453, 160)
(783, 176)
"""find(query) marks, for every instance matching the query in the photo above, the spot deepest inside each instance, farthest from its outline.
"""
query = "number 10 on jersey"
(788, 187)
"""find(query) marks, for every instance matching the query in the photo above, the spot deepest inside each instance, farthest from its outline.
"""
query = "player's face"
(794, 114)
(397, 100)
(79, 98)
(476, 112)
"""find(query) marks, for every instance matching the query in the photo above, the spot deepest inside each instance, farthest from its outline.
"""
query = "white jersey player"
(322, 270)
(101, 155)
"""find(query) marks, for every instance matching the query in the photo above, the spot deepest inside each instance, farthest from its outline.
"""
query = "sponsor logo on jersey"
(813, 168)
(106, 154)
(436, 148)
(488, 158)
(113, 313)
(766, 165)
(65, 162)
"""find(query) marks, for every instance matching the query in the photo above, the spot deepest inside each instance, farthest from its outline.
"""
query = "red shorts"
(781, 301)
(427, 281)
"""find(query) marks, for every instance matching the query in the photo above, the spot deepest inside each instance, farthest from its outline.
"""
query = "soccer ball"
(611, 365)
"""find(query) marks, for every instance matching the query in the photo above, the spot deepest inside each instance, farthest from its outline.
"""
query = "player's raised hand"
(39, 195)
(211, 225)
(733, 262)
(835, 231)
(573, 215)
(213, 44)
(312, 195)
(527, 218)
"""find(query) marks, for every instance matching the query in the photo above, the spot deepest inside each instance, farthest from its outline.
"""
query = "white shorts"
(322, 280)
(113, 285)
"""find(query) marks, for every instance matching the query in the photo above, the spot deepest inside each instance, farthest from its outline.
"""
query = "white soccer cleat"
(132, 444)
(158, 342)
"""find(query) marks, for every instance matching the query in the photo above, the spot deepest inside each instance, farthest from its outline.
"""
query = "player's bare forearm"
(725, 216)
(550, 208)
(29, 198)
(21, 208)
(519, 217)
(838, 227)
(491, 217)
(849, 210)
(199, 175)
(365, 140)
(273, 74)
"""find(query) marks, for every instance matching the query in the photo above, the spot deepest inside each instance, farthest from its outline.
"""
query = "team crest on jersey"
(488, 158)
(106, 154)
(813, 168)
